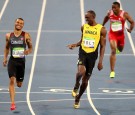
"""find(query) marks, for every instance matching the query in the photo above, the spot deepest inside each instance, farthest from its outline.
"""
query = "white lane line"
(129, 35)
(88, 87)
(3, 9)
(34, 57)
(82, 11)
(70, 55)
(104, 94)
(60, 100)
(49, 31)
(52, 31)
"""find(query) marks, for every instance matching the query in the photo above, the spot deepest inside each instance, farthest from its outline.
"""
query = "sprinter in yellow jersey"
(93, 35)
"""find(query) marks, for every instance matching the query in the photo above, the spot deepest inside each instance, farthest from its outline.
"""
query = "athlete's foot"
(117, 51)
(13, 107)
(74, 92)
(112, 74)
(77, 103)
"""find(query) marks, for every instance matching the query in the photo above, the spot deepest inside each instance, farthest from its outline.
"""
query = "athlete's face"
(19, 24)
(89, 18)
(115, 9)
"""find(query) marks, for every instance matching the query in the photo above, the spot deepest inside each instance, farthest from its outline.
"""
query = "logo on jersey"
(16, 42)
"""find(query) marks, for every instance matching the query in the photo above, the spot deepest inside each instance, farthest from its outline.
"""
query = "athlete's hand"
(71, 46)
(100, 66)
(4, 62)
(26, 52)
(129, 30)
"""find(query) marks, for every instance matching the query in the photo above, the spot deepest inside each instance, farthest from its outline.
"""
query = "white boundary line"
(65, 55)
(35, 53)
(48, 92)
(3, 9)
(58, 100)
(128, 34)
(49, 31)
(52, 31)
(88, 87)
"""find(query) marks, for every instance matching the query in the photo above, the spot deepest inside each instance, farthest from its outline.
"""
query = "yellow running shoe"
(112, 74)
(74, 92)
(117, 51)
(77, 105)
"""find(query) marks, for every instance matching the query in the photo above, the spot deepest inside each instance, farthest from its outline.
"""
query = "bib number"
(18, 52)
(89, 43)
(116, 26)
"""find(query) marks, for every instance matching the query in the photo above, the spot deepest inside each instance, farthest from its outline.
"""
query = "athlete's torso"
(91, 37)
(117, 23)
(17, 45)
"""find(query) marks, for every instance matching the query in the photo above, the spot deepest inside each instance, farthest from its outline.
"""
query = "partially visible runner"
(93, 35)
(116, 35)
(16, 43)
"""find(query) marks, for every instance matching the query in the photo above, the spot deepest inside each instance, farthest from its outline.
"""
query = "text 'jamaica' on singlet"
(91, 37)
(17, 45)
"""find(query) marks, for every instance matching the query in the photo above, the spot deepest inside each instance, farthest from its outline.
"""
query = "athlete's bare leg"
(113, 46)
(80, 72)
(12, 89)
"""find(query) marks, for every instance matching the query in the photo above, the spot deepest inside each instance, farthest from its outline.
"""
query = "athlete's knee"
(12, 80)
(113, 51)
(80, 73)
(19, 84)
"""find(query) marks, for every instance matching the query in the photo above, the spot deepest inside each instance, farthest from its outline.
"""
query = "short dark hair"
(93, 13)
(117, 3)
(20, 19)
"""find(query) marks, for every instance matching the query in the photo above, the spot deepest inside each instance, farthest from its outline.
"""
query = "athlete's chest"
(16, 40)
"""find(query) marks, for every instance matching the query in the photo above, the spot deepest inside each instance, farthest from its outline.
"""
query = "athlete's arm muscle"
(106, 18)
(29, 44)
(130, 20)
(6, 50)
(102, 47)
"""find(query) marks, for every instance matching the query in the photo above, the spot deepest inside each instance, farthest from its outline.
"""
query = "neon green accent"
(117, 51)
(112, 74)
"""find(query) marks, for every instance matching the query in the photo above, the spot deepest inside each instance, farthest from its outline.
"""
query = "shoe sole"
(76, 106)
(13, 108)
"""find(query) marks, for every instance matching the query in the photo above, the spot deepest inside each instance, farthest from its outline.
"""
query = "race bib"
(89, 42)
(116, 26)
(18, 52)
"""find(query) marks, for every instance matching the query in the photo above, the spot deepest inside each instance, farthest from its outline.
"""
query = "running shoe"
(112, 74)
(77, 103)
(13, 107)
(117, 51)
(74, 92)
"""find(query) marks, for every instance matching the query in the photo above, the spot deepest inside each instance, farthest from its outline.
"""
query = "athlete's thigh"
(113, 40)
(90, 65)
(121, 42)
(20, 71)
(11, 68)
(81, 63)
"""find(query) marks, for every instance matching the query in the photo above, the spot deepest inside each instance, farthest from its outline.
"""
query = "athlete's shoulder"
(109, 12)
(27, 35)
(8, 35)
(125, 14)
(99, 25)
(85, 24)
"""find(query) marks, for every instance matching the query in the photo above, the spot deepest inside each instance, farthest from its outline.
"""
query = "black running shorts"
(88, 60)
(16, 68)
